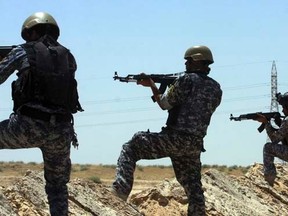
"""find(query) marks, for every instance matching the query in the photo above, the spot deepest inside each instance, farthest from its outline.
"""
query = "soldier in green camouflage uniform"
(278, 147)
(190, 101)
(38, 120)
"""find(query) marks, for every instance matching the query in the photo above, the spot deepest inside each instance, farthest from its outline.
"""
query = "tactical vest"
(50, 79)
(174, 112)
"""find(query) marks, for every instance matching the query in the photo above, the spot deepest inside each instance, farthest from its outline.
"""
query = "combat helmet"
(282, 99)
(199, 53)
(39, 18)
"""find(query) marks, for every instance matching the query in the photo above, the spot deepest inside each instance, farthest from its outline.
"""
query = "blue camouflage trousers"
(54, 140)
(184, 152)
(270, 151)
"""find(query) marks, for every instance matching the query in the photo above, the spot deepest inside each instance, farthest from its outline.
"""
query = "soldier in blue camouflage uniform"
(37, 122)
(278, 147)
(190, 101)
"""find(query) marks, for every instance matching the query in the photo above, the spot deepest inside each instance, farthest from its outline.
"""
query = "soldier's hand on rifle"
(261, 118)
(147, 82)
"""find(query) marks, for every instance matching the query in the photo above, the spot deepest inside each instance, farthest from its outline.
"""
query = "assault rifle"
(253, 116)
(164, 79)
(4, 50)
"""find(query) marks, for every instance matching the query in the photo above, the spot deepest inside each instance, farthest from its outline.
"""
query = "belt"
(44, 116)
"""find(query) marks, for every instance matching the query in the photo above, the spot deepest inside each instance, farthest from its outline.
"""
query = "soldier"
(278, 147)
(44, 98)
(190, 101)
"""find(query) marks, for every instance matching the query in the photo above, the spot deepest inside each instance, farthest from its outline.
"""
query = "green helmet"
(199, 53)
(282, 99)
(37, 19)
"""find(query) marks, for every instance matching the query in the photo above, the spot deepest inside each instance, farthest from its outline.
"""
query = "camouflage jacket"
(278, 135)
(193, 97)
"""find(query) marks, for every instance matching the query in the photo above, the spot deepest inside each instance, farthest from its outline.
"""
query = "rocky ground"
(225, 195)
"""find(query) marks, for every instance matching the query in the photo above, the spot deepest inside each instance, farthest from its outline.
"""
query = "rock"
(225, 195)
(27, 198)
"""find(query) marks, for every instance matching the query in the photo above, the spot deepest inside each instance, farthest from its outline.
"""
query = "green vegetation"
(84, 167)
(90, 168)
(95, 179)
(140, 168)
(112, 166)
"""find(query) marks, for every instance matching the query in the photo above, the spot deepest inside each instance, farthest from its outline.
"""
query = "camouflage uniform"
(194, 97)
(52, 137)
(275, 148)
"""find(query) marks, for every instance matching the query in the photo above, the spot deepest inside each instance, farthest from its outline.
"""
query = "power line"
(241, 64)
(247, 110)
(282, 84)
(143, 109)
(93, 77)
(139, 98)
(255, 97)
(120, 122)
(244, 110)
(246, 86)
(116, 100)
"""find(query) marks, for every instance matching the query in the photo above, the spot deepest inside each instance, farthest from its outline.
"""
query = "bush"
(84, 167)
(95, 179)
(140, 168)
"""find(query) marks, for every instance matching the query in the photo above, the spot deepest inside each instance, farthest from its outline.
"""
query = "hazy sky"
(151, 36)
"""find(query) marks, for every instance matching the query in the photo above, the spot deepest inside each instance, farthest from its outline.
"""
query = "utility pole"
(274, 104)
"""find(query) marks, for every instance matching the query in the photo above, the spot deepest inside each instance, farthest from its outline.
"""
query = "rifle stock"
(253, 116)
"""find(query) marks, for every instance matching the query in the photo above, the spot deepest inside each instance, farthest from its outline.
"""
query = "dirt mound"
(225, 195)
(26, 197)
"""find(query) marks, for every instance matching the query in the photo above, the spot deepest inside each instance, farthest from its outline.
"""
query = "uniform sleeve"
(277, 135)
(13, 61)
(164, 103)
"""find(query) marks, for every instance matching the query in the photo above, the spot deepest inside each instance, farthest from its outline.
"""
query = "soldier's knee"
(139, 137)
(130, 146)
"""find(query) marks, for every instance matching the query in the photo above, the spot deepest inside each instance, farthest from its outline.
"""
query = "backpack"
(50, 79)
